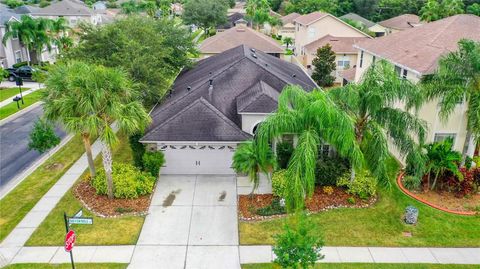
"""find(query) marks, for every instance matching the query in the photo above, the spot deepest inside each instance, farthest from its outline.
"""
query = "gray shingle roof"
(233, 72)
(356, 17)
(6, 14)
(260, 98)
(64, 8)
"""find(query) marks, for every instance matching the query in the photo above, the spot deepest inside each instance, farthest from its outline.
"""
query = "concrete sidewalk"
(33, 86)
(174, 255)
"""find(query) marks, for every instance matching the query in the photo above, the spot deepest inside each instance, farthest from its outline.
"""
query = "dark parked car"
(24, 72)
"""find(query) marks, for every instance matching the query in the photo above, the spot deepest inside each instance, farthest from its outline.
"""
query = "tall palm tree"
(456, 81)
(287, 41)
(314, 118)
(371, 103)
(247, 159)
(87, 99)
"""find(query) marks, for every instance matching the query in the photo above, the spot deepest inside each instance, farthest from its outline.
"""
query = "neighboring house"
(73, 11)
(13, 51)
(238, 8)
(232, 21)
(373, 27)
(313, 26)
(240, 35)
(415, 52)
(287, 29)
(400, 23)
(176, 9)
(215, 105)
(346, 54)
(100, 5)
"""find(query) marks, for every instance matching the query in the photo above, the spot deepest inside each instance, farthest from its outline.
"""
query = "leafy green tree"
(42, 136)
(452, 7)
(371, 104)
(151, 51)
(247, 159)
(308, 6)
(3, 74)
(298, 246)
(474, 9)
(87, 99)
(441, 158)
(314, 118)
(275, 4)
(205, 13)
(324, 65)
(258, 11)
(13, 3)
(138, 149)
(287, 41)
(456, 81)
(130, 7)
(431, 11)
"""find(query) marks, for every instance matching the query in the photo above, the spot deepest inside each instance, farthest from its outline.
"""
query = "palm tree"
(314, 118)
(247, 159)
(87, 99)
(371, 105)
(456, 81)
(441, 158)
(287, 41)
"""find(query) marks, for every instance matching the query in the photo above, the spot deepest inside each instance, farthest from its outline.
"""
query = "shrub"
(279, 183)
(411, 182)
(20, 64)
(153, 161)
(364, 185)
(298, 246)
(329, 170)
(328, 190)
(275, 208)
(284, 152)
(138, 149)
(128, 181)
(351, 200)
(44, 3)
(289, 52)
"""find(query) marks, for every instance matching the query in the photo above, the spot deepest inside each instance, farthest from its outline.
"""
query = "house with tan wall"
(400, 23)
(287, 29)
(415, 53)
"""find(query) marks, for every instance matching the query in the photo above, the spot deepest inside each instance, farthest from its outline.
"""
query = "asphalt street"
(14, 153)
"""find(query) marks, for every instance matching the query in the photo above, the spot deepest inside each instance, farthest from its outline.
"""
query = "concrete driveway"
(192, 223)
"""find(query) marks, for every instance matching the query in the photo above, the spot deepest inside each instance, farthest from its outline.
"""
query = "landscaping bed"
(367, 266)
(450, 201)
(337, 197)
(102, 206)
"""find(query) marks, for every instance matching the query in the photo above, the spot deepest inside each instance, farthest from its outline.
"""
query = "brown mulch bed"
(320, 201)
(450, 200)
(102, 206)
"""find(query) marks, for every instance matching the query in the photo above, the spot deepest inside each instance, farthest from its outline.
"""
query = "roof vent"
(266, 64)
(294, 75)
(189, 88)
(210, 82)
(254, 55)
(253, 50)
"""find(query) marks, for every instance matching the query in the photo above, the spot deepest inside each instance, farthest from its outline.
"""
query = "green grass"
(11, 108)
(366, 266)
(379, 225)
(6, 93)
(67, 266)
(23, 198)
(104, 231)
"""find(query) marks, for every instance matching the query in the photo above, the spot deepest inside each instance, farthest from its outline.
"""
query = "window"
(343, 64)
(373, 59)
(439, 137)
(404, 74)
(311, 33)
(361, 59)
(18, 56)
(398, 70)
(324, 150)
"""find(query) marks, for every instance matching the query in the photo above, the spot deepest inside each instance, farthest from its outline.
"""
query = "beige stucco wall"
(377, 28)
(322, 27)
(287, 30)
(310, 55)
(249, 121)
(456, 124)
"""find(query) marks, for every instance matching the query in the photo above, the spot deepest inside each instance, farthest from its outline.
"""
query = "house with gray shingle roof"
(72, 10)
(217, 104)
(12, 51)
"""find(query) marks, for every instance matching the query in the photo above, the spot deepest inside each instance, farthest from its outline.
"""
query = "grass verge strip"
(367, 266)
(67, 266)
(6, 93)
(12, 108)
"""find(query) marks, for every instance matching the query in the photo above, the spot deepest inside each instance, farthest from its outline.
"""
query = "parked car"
(24, 72)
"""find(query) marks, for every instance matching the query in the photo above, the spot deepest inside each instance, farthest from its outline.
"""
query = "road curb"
(20, 113)
(19, 178)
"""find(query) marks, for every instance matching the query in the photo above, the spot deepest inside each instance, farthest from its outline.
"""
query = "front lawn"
(6, 93)
(29, 100)
(379, 225)
(104, 231)
(67, 266)
(23, 198)
(366, 266)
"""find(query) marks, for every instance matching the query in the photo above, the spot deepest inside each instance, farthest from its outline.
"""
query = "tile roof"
(339, 44)
(289, 18)
(310, 18)
(232, 72)
(356, 17)
(420, 48)
(240, 35)
(402, 22)
(64, 8)
(260, 98)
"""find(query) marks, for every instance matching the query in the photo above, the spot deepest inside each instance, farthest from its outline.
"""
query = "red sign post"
(70, 240)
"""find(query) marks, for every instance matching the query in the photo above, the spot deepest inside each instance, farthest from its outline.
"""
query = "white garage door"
(197, 159)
